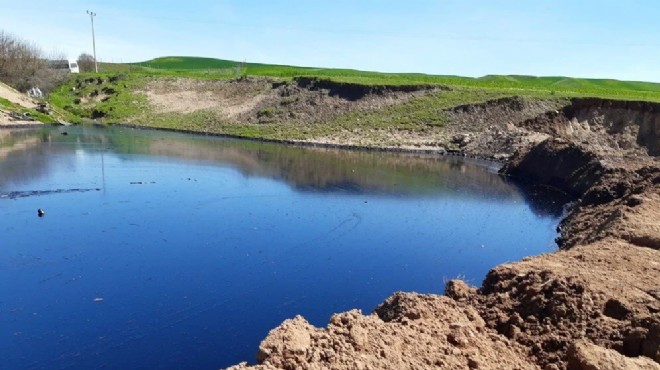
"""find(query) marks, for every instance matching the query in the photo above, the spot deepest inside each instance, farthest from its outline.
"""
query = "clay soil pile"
(594, 304)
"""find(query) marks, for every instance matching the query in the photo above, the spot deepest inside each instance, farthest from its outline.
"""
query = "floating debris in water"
(31, 193)
(98, 299)
(41, 212)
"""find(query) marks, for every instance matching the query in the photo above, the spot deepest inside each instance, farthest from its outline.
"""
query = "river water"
(161, 250)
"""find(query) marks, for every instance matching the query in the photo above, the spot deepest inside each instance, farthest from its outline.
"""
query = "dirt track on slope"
(595, 304)
(9, 120)
(16, 97)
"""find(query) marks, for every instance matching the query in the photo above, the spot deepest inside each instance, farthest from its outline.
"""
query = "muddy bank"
(595, 304)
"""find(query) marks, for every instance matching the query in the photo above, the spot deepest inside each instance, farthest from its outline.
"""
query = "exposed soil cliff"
(354, 91)
(266, 101)
(595, 304)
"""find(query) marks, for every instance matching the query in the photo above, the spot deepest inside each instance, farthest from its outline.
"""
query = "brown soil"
(595, 304)
(493, 129)
(16, 97)
(7, 119)
(266, 101)
(403, 333)
(590, 292)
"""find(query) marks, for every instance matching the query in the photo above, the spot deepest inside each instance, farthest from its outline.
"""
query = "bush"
(86, 63)
(23, 65)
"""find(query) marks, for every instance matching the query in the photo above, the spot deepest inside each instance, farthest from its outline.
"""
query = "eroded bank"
(593, 304)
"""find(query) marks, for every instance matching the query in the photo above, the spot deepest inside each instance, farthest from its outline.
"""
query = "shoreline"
(323, 145)
(595, 302)
(596, 299)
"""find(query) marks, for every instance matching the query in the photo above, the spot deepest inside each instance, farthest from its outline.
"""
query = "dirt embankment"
(267, 101)
(488, 129)
(13, 119)
(595, 304)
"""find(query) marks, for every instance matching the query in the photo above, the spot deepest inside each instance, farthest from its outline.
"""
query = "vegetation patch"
(108, 97)
(26, 114)
(417, 114)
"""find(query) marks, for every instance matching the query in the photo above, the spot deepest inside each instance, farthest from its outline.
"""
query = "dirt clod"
(583, 355)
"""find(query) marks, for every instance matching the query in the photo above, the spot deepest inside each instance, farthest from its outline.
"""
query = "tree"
(24, 66)
(86, 63)
(19, 61)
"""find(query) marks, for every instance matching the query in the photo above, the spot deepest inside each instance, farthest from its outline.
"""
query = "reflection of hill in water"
(23, 156)
(321, 169)
(305, 169)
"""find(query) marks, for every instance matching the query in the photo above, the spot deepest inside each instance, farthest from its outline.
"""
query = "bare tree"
(23, 65)
(86, 62)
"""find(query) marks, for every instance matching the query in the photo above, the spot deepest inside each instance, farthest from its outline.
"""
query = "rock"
(359, 336)
(459, 290)
(616, 309)
(501, 156)
(43, 108)
(461, 139)
(288, 343)
(583, 355)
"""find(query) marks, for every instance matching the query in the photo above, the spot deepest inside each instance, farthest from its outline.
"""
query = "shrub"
(86, 63)
(23, 65)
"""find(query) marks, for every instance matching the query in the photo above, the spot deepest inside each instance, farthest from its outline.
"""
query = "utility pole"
(91, 16)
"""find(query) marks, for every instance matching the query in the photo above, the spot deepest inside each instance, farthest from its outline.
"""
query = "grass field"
(8, 106)
(521, 85)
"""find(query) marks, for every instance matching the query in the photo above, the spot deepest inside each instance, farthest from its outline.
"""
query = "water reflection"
(305, 169)
(22, 157)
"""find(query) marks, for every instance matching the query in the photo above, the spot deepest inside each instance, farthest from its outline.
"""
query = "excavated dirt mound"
(408, 331)
(589, 292)
(595, 304)
(621, 204)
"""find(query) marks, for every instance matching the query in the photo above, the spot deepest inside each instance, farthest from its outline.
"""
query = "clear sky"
(579, 38)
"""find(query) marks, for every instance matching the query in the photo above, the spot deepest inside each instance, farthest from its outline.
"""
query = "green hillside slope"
(525, 85)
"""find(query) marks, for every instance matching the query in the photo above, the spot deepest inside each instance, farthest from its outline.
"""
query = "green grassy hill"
(522, 85)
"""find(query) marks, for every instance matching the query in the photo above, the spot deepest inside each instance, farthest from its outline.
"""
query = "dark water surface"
(171, 251)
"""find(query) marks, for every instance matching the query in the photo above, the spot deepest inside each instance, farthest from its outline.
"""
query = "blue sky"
(579, 38)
